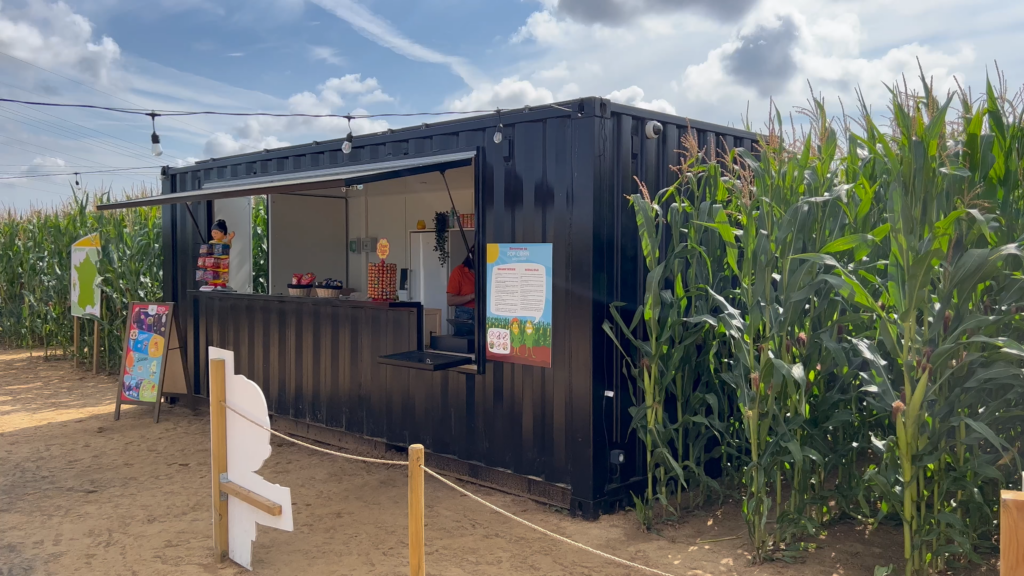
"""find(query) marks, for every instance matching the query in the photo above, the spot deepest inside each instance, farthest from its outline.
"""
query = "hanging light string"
(154, 113)
(147, 171)
(157, 150)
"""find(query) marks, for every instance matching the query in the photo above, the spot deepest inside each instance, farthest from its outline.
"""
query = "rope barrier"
(458, 489)
(542, 530)
(317, 448)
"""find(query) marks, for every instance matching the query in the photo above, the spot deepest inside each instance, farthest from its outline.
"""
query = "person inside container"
(462, 289)
(219, 233)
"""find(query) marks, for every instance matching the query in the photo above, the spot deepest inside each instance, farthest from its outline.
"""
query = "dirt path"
(82, 494)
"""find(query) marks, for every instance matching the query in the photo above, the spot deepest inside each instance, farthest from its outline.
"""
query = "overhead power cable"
(72, 135)
(62, 119)
(95, 89)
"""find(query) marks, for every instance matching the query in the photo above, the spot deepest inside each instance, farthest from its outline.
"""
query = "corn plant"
(35, 284)
(858, 289)
(260, 246)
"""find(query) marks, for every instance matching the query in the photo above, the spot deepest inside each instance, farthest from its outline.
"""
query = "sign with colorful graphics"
(383, 249)
(144, 355)
(519, 303)
(85, 277)
(151, 356)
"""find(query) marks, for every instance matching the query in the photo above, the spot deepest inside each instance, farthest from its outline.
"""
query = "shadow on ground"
(82, 494)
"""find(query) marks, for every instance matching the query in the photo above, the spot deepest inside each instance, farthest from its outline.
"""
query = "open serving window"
(329, 221)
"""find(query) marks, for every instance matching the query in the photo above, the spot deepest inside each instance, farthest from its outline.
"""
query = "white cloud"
(375, 97)
(39, 165)
(350, 84)
(236, 54)
(826, 51)
(54, 36)
(707, 66)
(544, 28)
(621, 13)
(558, 72)
(259, 132)
(48, 161)
(382, 32)
(634, 96)
(368, 91)
(327, 54)
(222, 144)
(569, 91)
(509, 93)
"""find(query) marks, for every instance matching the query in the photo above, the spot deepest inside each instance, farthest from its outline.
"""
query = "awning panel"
(350, 175)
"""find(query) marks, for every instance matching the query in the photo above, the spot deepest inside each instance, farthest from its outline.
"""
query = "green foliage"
(261, 246)
(35, 280)
(841, 312)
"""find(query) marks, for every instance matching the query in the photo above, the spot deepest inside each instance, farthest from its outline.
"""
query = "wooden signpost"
(86, 295)
(152, 365)
(1011, 533)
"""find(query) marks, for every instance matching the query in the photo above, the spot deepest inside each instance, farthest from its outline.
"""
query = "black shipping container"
(559, 175)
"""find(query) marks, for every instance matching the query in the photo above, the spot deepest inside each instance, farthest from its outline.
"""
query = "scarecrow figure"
(517, 335)
(529, 337)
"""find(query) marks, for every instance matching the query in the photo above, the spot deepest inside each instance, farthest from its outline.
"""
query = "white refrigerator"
(429, 280)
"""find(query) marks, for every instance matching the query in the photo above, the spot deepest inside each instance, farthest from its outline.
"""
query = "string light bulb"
(155, 138)
(346, 147)
(76, 180)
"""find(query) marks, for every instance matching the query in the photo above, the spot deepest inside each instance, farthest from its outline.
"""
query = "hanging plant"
(441, 236)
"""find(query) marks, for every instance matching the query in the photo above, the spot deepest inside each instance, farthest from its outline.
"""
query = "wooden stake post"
(95, 346)
(222, 486)
(416, 553)
(96, 340)
(75, 354)
(1011, 533)
(219, 451)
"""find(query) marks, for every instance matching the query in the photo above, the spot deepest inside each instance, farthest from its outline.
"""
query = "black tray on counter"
(423, 360)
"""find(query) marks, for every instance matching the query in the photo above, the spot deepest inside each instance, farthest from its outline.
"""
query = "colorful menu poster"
(153, 365)
(85, 276)
(144, 354)
(519, 303)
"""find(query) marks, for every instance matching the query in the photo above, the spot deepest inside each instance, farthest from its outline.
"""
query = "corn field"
(836, 322)
(35, 280)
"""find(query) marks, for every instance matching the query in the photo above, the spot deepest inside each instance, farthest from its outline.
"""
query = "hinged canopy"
(298, 182)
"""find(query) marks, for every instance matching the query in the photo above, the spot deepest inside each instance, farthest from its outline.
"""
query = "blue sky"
(705, 59)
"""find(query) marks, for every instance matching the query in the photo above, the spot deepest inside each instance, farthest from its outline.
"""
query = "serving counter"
(318, 363)
(293, 346)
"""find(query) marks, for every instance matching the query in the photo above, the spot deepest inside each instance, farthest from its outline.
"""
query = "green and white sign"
(85, 277)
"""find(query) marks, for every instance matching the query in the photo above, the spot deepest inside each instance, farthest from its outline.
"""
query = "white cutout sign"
(248, 446)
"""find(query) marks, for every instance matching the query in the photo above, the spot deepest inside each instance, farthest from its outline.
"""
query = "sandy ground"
(82, 494)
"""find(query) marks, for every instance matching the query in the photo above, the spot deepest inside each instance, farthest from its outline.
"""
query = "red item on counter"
(307, 279)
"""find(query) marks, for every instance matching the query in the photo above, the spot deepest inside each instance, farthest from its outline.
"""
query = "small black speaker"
(403, 279)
